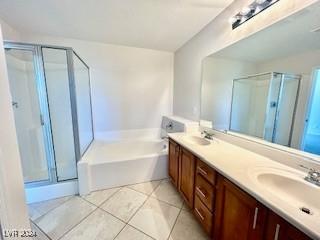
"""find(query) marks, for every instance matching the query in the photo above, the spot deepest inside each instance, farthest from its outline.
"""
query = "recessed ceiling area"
(155, 24)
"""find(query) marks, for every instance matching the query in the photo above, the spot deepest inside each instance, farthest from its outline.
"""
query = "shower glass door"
(30, 120)
(55, 62)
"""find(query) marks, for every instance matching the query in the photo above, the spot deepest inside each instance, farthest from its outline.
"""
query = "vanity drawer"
(205, 192)
(203, 215)
(206, 171)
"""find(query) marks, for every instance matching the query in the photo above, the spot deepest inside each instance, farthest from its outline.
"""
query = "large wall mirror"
(267, 86)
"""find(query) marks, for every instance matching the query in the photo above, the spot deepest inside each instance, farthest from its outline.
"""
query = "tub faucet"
(207, 135)
(313, 177)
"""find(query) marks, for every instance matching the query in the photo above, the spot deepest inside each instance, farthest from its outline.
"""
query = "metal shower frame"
(45, 108)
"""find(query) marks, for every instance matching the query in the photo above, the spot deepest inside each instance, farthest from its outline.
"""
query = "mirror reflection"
(268, 85)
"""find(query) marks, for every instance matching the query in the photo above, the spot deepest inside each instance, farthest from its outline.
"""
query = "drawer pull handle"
(200, 215)
(276, 234)
(255, 218)
(202, 171)
(201, 192)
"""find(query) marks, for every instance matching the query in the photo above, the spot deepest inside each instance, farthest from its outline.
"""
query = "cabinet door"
(238, 215)
(278, 229)
(186, 176)
(174, 162)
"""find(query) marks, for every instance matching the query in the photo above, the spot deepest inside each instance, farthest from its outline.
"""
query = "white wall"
(131, 87)
(215, 36)
(217, 81)
(8, 32)
(13, 210)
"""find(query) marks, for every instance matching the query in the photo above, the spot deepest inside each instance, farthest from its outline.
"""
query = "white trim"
(52, 191)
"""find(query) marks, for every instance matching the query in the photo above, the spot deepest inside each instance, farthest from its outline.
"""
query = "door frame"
(309, 105)
(44, 110)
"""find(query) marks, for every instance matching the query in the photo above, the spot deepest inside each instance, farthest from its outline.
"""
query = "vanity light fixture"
(250, 11)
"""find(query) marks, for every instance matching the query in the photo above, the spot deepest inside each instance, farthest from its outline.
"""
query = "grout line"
(105, 199)
(120, 231)
(112, 215)
(138, 208)
(170, 204)
(141, 231)
(175, 222)
(77, 224)
(70, 197)
(44, 233)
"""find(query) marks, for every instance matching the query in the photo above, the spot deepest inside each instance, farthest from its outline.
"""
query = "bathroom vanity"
(213, 178)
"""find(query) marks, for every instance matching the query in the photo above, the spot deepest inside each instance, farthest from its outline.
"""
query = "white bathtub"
(109, 164)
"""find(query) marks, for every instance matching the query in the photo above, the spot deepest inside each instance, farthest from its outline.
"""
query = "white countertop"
(238, 165)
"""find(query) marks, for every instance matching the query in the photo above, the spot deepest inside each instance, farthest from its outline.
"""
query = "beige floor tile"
(167, 192)
(155, 218)
(186, 207)
(61, 219)
(33, 213)
(99, 225)
(98, 197)
(187, 227)
(130, 233)
(124, 203)
(146, 187)
(36, 210)
(39, 234)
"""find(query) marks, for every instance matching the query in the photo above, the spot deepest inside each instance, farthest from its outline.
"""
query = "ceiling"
(155, 24)
(290, 36)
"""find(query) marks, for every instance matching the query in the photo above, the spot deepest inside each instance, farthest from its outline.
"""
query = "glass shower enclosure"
(50, 89)
(264, 105)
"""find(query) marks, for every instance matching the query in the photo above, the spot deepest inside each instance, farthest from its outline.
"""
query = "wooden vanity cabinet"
(278, 229)
(187, 166)
(238, 215)
(225, 211)
(174, 150)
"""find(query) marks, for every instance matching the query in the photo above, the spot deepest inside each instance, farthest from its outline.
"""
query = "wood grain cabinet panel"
(203, 215)
(206, 171)
(238, 215)
(174, 149)
(187, 176)
(205, 191)
(278, 229)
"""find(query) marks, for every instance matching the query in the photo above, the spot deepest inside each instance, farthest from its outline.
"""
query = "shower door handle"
(41, 120)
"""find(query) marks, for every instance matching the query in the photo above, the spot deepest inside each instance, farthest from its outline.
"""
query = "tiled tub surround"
(239, 165)
(144, 211)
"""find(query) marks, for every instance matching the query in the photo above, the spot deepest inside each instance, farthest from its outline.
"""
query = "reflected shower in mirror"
(267, 86)
(264, 106)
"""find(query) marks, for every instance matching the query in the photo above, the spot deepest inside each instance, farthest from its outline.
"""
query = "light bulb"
(234, 19)
(246, 11)
(260, 2)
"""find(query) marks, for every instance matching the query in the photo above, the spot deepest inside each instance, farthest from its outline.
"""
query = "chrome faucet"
(207, 135)
(313, 177)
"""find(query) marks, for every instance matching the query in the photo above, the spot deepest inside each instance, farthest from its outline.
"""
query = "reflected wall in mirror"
(268, 85)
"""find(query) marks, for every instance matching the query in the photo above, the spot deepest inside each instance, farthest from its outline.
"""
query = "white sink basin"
(197, 140)
(290, 187)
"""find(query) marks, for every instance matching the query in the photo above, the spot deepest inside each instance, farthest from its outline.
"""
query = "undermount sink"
(289, 187)
(197, 140)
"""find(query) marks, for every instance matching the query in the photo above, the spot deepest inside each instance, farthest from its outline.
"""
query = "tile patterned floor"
(145, 211)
